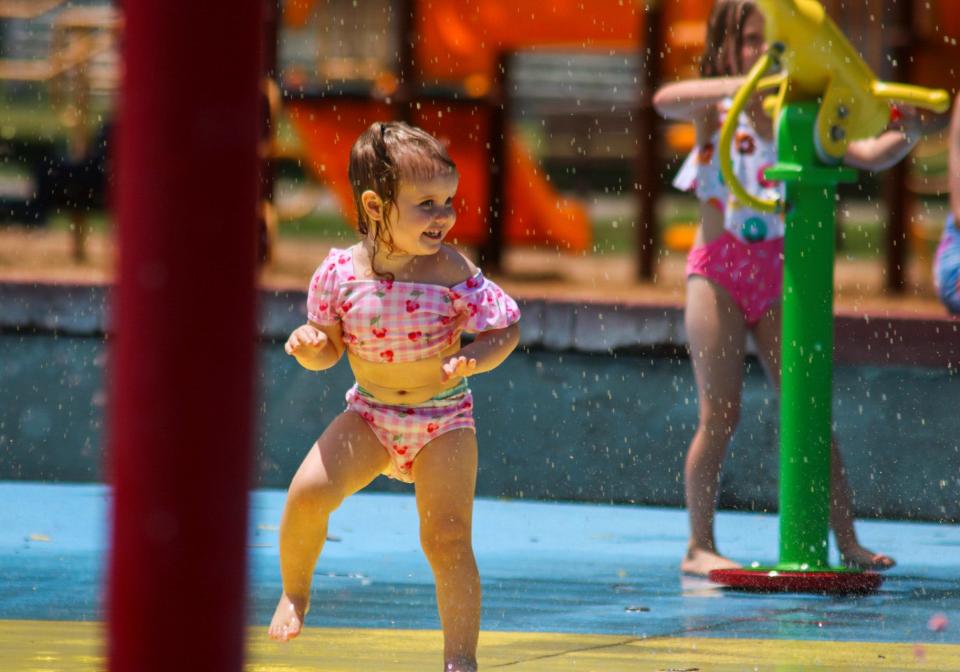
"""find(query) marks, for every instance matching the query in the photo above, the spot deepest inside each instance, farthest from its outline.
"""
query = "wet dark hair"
(384, 154)
(727, 19)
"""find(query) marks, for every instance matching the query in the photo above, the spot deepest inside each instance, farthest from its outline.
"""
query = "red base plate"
(769, 580)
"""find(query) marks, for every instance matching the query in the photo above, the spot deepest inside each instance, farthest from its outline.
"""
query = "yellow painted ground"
(54, 646)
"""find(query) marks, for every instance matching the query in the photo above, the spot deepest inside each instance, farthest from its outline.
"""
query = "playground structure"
(503, 196)
(452, 75)
(827, 98)
(82, 61)
(460, 62)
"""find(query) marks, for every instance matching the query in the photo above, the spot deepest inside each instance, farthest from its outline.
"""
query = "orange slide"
(460, 41)
(535, 214)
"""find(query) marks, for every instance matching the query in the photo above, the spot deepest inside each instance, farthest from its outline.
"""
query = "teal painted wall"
(551, 425)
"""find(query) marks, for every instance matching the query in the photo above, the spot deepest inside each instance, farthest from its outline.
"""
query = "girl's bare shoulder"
(453, 267)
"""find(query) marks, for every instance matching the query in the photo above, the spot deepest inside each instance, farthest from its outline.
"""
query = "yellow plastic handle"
(774, 81)
(754, 78)
(936, 100)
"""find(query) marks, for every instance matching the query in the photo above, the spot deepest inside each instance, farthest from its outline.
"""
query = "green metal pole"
(807, 340)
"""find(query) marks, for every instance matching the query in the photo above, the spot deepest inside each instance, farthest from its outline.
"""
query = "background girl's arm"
(886, 149)
(953, 163)
(881, 152)
(689, 99)
(316, 347)
(486, 353)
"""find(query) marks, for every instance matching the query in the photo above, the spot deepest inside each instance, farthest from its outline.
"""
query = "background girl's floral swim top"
(750, 155)
(946, 267)
(394, 321)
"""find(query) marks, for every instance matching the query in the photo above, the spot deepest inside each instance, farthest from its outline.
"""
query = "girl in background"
(735, 270)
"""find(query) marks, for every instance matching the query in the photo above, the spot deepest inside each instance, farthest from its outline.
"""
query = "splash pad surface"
(566, 586)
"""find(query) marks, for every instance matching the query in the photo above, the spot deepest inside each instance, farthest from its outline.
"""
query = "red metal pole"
(183, 333)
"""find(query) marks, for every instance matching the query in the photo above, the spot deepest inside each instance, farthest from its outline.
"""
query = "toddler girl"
(396, 303)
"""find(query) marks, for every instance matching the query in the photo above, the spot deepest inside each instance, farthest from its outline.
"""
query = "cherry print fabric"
(393, 321)
(405, 430)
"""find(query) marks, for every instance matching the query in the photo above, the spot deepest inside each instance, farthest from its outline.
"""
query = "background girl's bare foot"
(460, 665)
(700, 561)
(287, 619)
(858, 557)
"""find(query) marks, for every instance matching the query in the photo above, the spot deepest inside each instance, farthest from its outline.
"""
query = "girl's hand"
(458, 366)
(304, 339)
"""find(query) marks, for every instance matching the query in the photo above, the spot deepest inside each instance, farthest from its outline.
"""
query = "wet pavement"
(546, 567)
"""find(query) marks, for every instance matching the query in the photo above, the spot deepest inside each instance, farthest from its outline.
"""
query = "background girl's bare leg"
(445, 472)
(716, 332)
(767, 336)
(342, 461)
(842, 520)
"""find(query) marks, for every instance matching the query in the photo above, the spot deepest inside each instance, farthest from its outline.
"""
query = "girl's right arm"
(316, 347)
(689, 99)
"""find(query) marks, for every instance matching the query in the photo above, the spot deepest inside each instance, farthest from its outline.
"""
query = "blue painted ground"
(545, 567)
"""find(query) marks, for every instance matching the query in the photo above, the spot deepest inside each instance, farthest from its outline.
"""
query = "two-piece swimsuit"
(946, 266)
(389, 321)
(747, 259)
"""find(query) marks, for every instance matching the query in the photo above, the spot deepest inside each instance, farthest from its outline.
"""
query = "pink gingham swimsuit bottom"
(751, 273)
(405, 430)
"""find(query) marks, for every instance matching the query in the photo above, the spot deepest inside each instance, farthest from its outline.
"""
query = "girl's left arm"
(488, 351)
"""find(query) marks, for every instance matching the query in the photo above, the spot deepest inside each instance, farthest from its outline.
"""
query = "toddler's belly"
(403, 382)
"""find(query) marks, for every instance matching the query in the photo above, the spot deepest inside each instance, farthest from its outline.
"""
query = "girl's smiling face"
(423, 214)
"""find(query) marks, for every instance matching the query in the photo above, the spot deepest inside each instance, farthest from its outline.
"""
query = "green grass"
(317, 225)
(98, 221)
(612, 235)
(861, 240)
(861, 236)
(19, 122)
(38, 119)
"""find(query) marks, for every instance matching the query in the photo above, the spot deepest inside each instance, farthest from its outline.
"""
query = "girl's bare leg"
(767, 336)
(852, 554)
(445, 472)
(342, 461)
(716, 332)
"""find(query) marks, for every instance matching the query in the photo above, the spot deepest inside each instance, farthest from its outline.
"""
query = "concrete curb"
(595, 326)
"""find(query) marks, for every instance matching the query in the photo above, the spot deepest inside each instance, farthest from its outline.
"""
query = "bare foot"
(460, 665)
(858, 557)
(287, 619)
(700, 562)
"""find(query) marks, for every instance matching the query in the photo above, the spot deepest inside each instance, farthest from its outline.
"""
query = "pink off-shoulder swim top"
(394, 321)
